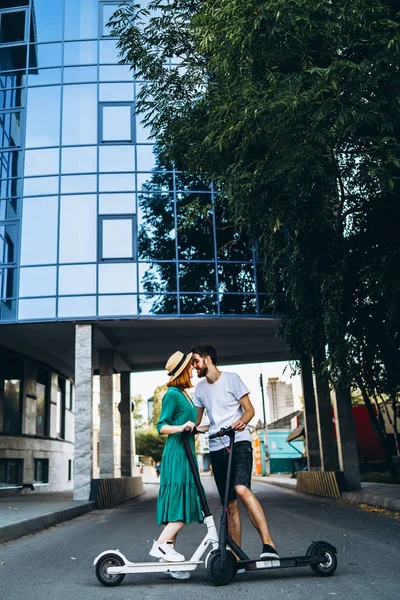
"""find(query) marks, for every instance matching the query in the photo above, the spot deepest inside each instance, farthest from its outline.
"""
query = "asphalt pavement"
(57, 563)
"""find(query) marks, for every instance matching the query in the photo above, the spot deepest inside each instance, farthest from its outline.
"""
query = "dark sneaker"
(269, 552)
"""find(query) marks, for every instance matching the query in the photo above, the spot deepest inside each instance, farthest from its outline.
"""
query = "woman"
(178, 500)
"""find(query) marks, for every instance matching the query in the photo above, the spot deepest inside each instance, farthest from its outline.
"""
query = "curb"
(355, 497)
(372, 500)
(287, 486)
(34, 524)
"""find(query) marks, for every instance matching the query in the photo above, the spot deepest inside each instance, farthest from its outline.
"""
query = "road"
(57, 563)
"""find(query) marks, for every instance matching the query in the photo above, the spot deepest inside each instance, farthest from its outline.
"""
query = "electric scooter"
(112, 565)
(223, 562)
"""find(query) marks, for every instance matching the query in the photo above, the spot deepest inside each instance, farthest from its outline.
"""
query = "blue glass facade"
(93, 224)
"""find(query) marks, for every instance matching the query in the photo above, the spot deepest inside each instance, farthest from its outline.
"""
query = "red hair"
(183, 380)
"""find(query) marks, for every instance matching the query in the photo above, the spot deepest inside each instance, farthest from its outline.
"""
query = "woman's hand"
(189, 425)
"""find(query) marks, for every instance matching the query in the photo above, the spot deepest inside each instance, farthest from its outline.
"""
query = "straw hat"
(177, 363)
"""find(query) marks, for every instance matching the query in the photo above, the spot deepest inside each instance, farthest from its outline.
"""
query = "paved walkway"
(382, 495)
(22, 515)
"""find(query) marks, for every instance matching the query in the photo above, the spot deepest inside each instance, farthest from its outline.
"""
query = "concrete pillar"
(124, 408)
(310, 417)
(83, 412)
(346, 437)
(107, 460)
(326, 430)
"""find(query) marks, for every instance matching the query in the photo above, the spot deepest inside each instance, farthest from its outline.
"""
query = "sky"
(145, 383)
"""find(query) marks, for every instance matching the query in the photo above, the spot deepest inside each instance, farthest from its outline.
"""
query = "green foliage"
(150, 443)
(158, 396)
(292, 109)
(138, 418)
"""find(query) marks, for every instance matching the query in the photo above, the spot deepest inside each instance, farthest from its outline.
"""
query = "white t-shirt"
(221, 400)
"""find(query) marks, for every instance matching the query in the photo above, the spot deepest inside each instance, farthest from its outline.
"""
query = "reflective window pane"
(8, 310)
(80, 53)
(197, 304)
(78, 184)
(195, 277)
(48, 20)
(116, 123)
(238, 304)
(39, 231)
(162, 304)
(37, 186)
(81, 19)
(10, 187)
(117, 204)
(42, 308)
(111, 183)
(116, 73)
(117, 278)
(78, 229)
(157, 277)
(44, 55)
(109, 53)
(79, 159)
(80, 306)
(236, 277)
(12, 26)
(8, 278)
(11, 164)
(107, 11)
(10, 129)
(117, 238)
(77, 279)
(9, 210)
(37, 281)
(195, 227)
(146, 159)
(8, 243)
(42, 162)
(117, 158)
(156, 227)
(79, 115)
(10, 98)
(79, 74)
(142, 131)
(37, 77)
(116, 92)
(118, 306)
(43, 117)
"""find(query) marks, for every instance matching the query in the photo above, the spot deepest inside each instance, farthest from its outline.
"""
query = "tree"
(291, 109)
(158, 396)
(138, 417)
(150, 443)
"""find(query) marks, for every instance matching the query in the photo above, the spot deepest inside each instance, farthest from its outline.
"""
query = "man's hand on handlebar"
(238, 425)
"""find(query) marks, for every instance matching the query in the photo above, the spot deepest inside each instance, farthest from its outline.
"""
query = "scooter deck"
(154, 567)
(280, 563)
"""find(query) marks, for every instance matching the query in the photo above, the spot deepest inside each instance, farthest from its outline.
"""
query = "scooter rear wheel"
(214, 568)
(328, 567)
(107, 579)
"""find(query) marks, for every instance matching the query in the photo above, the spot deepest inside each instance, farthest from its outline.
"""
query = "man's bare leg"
(255, 512)
(235, 525)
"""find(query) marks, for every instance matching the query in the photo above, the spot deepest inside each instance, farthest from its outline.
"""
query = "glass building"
(93, 226)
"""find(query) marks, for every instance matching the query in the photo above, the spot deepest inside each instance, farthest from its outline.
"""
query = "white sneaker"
(166, 551)
(179, 574)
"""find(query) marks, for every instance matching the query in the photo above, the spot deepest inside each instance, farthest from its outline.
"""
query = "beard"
(202, 372)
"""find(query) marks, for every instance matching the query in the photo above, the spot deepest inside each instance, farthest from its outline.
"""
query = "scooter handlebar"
(187, 430)
(222, 432)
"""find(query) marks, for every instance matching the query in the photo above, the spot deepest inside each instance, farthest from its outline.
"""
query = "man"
(227, 401)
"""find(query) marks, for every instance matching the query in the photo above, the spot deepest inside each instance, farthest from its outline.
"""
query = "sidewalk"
(23, 515)
(382, 495)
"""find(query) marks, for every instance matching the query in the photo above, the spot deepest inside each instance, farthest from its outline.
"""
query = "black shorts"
(242, 466)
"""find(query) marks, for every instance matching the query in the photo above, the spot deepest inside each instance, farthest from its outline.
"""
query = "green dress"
(178, 499)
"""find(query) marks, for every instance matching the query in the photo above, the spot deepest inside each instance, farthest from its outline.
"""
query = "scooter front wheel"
(215, 572)
(106, 561)
(328, 566)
